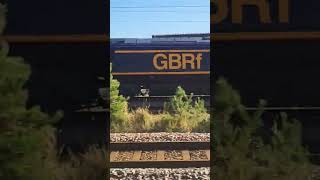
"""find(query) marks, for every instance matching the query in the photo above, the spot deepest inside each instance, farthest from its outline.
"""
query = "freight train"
(156, 67)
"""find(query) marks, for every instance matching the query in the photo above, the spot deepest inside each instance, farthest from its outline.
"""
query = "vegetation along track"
(157, 102)
(160, 154)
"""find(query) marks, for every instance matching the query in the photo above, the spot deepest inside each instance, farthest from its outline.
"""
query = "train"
(150, 70)
(158, 65)
(67, 51)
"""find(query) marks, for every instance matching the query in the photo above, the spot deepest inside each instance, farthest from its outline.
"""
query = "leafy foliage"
(21, 129)
(27, 138)
(181, 114)
(118, 104)
(242, 151)
(186, 115)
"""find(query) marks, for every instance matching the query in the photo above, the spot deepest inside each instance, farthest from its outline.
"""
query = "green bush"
(187, 115)
(27, 138)
(242, 153)
(181, 114)
(118, 105)
(21, 129)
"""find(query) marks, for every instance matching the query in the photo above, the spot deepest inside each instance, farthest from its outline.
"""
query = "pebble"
(198, 155)
(159, 137)
(148, 155)
(124, 156)
(160, 173)
(173, 155)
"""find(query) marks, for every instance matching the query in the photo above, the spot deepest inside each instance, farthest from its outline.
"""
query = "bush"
(187, 116)
(243, 152)
(21, 129)
(27, 137)
(118, 105)
(181, 114)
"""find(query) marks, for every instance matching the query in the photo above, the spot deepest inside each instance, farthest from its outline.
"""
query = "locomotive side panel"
(62, 78)
(285, 78)
(161, 69)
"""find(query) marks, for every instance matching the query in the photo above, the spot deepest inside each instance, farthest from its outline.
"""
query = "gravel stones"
(173, 155)
(160, 174)
(159, 137)
(148, 155)
(198, 155)
(124, 156)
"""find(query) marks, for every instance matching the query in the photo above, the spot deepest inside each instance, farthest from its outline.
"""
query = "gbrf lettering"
(174, 61)
(263, 6)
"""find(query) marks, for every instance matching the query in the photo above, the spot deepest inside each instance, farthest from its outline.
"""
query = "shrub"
(118, 105)
(27, 138)
(21, 129)
(181, 114)
(187, 116)
(241, 152)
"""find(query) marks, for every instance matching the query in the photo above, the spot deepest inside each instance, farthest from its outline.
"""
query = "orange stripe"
(160, 51)
(73, 38)
(161, 73)
(104, 38)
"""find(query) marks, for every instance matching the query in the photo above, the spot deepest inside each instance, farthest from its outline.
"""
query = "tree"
(21, 130)
(118, 104)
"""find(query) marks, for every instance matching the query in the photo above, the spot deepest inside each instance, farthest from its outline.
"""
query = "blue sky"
(144, 18)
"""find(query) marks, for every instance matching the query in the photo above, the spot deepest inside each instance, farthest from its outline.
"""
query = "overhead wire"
(160, 11)
(187, 21)
(153, 7)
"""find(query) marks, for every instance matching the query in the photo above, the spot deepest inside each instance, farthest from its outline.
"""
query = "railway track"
(160, 155)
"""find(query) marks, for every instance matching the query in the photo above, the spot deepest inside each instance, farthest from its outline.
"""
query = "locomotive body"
(160, 67)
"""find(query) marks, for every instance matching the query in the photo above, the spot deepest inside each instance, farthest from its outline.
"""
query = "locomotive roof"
(174, 39)
(163, 44)
(205, 35)
(151, 42)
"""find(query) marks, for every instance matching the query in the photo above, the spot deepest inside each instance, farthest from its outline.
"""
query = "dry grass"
(87, 166)
(142, 120)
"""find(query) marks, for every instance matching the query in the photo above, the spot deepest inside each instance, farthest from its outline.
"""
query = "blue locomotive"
(157, 66)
